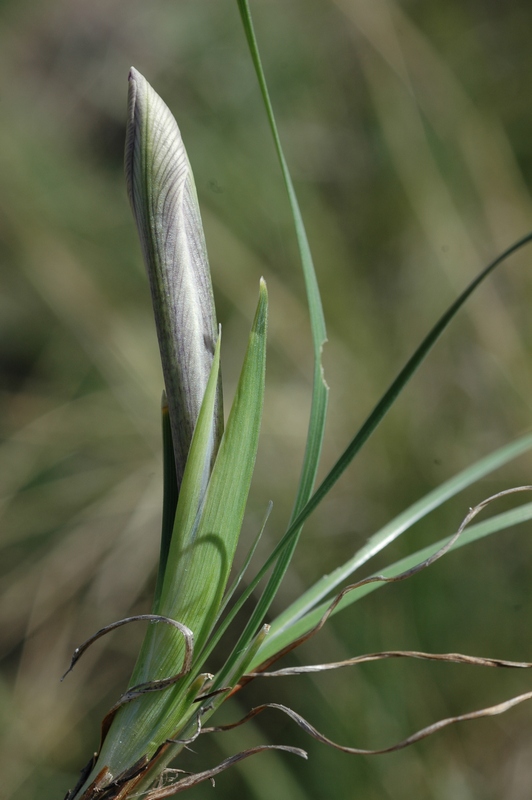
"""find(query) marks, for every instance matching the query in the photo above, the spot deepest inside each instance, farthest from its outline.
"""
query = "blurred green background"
(408, 130)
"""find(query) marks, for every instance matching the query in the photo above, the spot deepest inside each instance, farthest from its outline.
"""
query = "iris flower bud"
(163, 197)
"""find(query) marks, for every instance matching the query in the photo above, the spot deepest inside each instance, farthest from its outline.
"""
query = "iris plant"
(208, 472)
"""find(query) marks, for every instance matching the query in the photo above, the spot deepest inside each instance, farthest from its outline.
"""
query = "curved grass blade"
(282, 638)
(192, 780)
(490, 711)
(187, 633)
(353, 448)
(396, 527)
(386, 655)
(305, 503)
(395, 389)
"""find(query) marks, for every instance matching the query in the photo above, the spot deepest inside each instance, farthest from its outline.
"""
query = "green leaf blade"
(397, 526)
(474, 533)
(229, 484)
(320, 390)
(206, 533)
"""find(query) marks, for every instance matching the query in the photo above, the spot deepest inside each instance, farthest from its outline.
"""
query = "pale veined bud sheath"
(163, 197)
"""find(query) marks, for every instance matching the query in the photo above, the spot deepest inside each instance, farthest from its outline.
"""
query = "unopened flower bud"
(163, 197)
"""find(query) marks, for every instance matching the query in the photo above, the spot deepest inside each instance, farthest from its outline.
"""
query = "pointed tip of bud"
(151, 123)
(263, 289)
(136, 80)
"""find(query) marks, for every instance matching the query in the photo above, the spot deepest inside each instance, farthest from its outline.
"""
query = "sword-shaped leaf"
(206, 531)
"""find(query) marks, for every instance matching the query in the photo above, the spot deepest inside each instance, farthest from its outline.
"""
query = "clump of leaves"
(208, 471)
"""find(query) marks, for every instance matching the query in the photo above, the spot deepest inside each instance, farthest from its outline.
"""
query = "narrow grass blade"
(393, 529)
(317, 322)
(353, 448)
(281, 637)
(390, 396)
(318, 411)
(208, 775)
(385, 655)
(309, 729)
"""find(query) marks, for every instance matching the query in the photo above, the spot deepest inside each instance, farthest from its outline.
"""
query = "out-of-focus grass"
(407, 127)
